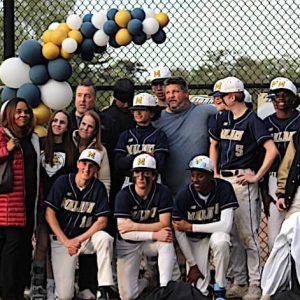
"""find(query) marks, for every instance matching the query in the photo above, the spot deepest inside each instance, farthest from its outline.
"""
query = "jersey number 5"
(239, 150)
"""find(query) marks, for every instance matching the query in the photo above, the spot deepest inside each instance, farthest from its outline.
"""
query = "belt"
(229, 173)
(53, 237)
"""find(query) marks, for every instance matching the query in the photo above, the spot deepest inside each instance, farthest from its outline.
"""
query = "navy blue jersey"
(282, 131)
(189, 205)
(138, 140)
(130, 205)
(240, 139)
(77, 210)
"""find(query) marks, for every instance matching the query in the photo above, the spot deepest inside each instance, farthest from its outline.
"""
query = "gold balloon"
(65, 54)
(57, 36)
(40, 130)
(76, 35)
(46, 37)
(122, 18)
(162, 19)
(50, 51)
(64, 26)
(42, 114)
(123, 37)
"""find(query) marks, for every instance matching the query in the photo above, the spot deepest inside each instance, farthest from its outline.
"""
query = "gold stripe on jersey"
(77, 206)
(232, 134)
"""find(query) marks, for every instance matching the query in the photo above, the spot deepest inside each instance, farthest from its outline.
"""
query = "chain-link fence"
(206, 40)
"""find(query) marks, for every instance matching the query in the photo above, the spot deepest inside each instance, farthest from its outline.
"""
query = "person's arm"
(104, 172)
(224, 225)
(214, 155)
(271, 153)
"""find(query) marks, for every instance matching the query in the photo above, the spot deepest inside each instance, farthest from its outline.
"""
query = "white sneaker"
(86, 295)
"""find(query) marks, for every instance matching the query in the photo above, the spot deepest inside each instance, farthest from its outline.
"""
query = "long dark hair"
(8, 118)
(66, 141)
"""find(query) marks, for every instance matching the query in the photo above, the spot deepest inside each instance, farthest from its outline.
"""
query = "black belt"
(54, 237)
(229, 173)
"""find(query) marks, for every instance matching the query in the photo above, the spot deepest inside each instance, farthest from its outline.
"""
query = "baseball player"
(77, 212)
(143, 138)
(143, 212)
(282, 125)
(202, 218)
(241, 134)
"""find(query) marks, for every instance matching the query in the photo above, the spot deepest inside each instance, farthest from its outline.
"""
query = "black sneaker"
(102, 293)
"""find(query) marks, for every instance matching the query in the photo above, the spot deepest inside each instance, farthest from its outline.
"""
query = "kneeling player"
(202, 218)
(143, 211)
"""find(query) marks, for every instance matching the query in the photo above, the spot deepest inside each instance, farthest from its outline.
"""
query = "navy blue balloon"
(110, 27)
(159, 37)
(30, 52)
(88, 29)
(59, 69)
(38, 74)
(87, 17)
(113, 43)
(111, 13)
(87, 49)
(99, 49)
(31, 93)
(135, 27)
(139, 39)
(8, 93)
(138, 13)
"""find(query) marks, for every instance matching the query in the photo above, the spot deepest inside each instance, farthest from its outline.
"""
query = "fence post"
(9, 29)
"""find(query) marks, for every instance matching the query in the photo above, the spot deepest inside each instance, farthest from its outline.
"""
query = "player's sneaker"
(254, 293)
(86, 295)
(237, 291)
(219, 292)
(102, 293)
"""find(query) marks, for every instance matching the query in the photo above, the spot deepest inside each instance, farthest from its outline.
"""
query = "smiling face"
(142, 117)
(177, 98)
(284, 100)
(21, 115)
(87, 127)
(86, 170)
(201, 180)
(59, 124)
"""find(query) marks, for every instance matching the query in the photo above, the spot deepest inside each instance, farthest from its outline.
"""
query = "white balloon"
(150, 26)
(99, 19)
(14, 73)
(74, 22)
(53, 26)
(69, 45)
(100, 38)
(149, 13)
(56, 95)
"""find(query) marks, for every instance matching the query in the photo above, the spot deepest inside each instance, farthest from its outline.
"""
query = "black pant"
(15, 246)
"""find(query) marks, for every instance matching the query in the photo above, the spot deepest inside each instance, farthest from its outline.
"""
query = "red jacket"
(12, 205)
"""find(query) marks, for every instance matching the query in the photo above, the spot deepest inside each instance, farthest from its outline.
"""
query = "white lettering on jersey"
(204, 214)
(283, 136)
(232, 134)
(143, 215)
(137, 148)
(77, 206)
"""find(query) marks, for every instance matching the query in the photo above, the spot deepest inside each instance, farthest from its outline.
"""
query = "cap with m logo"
(144, 162)
(92, 155)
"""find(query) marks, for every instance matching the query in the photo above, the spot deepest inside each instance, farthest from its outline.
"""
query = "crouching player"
(77, 212)
(202, 218)
(143, 211)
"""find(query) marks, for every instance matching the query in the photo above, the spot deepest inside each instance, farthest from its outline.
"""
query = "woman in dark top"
(17, 208)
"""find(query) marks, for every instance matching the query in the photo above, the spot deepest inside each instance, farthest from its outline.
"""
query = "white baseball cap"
(281, 83)
(92, 155)
(216, 87)
(159, 74)
(230, 85)
(144, 162)
(202, 162)
(142, 101)
(248, 97)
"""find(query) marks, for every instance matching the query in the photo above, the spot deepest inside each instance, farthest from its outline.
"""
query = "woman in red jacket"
(17, 208)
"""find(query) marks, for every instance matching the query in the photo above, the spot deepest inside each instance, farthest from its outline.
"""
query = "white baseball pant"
(64, 265)
(276, 217)
(129, 256)
(245, 229)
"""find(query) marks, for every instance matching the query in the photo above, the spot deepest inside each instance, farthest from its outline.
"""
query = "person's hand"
(194, 274)
(73, 251)
(163, 235)
(11, 144)
(280, 204)
(182, 225)
(127, 226)
(246, 178)
(73, 243)
(267, 199)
